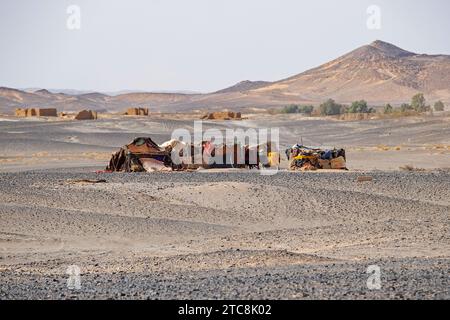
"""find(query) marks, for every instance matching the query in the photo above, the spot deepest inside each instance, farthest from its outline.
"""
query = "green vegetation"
(330, 107)
(359, 107)
(307, 109)
(439, 106)
(295, 108)
(418, 103)
(388, 109)
(406, 107)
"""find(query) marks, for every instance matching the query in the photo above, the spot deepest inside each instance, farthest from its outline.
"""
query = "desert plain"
(225, 234)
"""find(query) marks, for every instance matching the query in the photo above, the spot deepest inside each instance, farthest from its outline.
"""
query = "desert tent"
(306, 158)
(142, 154)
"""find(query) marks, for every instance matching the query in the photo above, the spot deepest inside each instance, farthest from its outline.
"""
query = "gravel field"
(401, 279)
(224, 233)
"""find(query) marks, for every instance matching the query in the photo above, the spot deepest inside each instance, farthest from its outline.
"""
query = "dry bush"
(383, 147)
(397, 114)
(409, 167)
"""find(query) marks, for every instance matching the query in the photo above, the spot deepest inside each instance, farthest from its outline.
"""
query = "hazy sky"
(199, 45)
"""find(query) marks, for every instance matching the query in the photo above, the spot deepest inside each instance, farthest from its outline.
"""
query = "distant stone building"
(225, 115)
(86, 115)
(20, 112)
(36, 112)
(50, 112)
(137, 112)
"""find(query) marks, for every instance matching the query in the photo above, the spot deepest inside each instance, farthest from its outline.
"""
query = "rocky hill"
(379, 73)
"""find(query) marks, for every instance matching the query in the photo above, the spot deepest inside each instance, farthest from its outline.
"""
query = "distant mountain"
(43, 92)
(116, 93)
(12, 98)
(379, 73)
(63, 91)
(244, 86)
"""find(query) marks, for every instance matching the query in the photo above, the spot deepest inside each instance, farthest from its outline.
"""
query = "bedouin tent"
(142, 154)
(305, 158)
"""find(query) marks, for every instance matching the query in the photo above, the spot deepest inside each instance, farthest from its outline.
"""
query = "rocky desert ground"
(225, 233)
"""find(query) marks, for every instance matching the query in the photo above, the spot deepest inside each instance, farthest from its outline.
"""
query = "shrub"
(405, 107)
(293, 108)
(409, 167)
(330, 107)
(359, 107)
(439, 106)
(306, 109)
(418, 102)
(388, 109)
